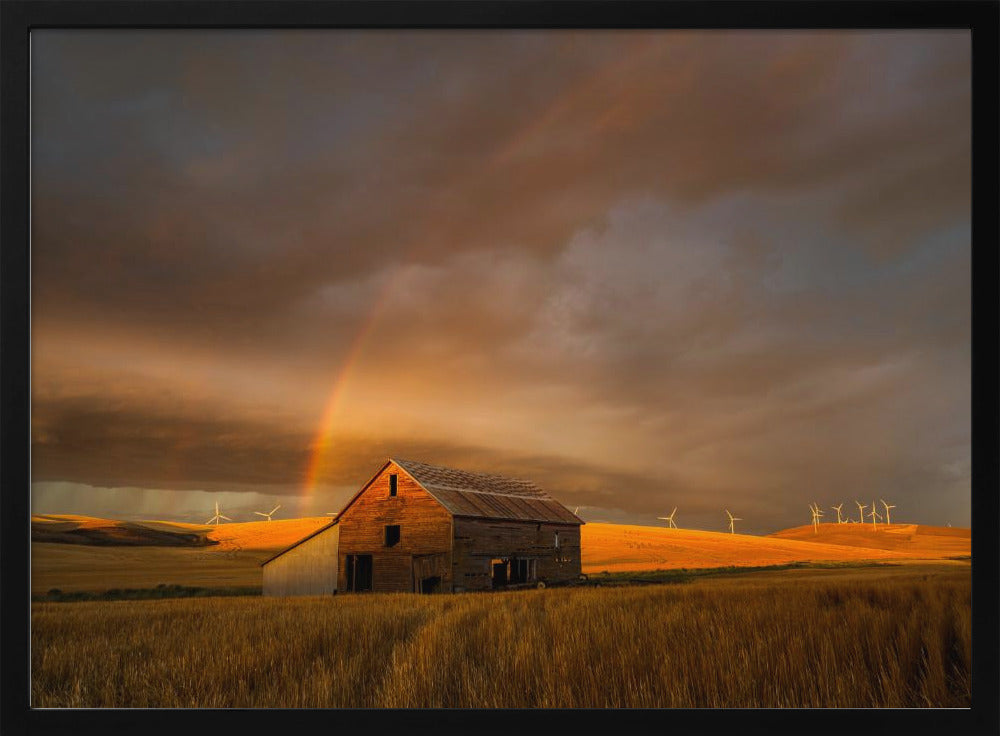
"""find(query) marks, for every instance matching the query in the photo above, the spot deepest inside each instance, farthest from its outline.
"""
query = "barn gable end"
(371, 559)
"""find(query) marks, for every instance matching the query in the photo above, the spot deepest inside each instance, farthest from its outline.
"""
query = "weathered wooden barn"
(426, 528)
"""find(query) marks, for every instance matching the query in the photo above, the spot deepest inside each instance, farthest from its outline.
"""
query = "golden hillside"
(910, 539)
(621, 548)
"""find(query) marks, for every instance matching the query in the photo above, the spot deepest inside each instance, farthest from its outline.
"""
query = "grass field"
(896, 636)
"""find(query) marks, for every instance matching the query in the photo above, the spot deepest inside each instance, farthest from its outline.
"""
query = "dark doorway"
(522, 570)
(431, 584)
(499, 573)
(359, 573)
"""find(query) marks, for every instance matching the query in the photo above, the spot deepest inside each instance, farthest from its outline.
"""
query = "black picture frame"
(18, 18)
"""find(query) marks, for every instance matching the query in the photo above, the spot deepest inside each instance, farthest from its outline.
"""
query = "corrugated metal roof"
(486, 495)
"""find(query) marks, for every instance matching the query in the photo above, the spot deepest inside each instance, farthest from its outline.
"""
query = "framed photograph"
(500, 365)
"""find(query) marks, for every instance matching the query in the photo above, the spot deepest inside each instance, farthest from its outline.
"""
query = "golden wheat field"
(880, 637)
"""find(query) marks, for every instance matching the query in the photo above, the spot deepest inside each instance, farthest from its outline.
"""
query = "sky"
(645, 269)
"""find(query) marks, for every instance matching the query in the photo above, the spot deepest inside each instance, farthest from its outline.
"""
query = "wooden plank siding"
(425, 529)
(479, 541)
(310, 568)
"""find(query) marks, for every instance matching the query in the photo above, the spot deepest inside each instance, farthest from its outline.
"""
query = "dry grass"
(869, 638)
(73, 567)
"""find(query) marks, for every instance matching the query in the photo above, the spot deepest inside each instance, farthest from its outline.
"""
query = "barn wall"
(478, 541)
(425, 529)
(308, 569)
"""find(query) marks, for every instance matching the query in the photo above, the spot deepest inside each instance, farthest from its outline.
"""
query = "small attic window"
(392, 484)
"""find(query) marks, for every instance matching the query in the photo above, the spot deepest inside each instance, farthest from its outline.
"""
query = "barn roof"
(468, 494)
(486, 495)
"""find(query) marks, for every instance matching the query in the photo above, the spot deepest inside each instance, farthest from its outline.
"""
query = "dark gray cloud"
(642, 265)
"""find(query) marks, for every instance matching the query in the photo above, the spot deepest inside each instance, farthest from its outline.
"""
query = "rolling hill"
(84, 553)
(910, 539)
(620, 548)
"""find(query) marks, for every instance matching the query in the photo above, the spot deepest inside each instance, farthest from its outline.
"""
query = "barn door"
(429, 572)
(359, 572)
(500, 573)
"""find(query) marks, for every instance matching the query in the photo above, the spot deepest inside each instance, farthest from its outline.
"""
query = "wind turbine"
(837, 509)
(875, 515)
(669, 519)
(887, 507)
(731, 520)
(861, 512)
(269, 514)
(816, 514)
(215, 519)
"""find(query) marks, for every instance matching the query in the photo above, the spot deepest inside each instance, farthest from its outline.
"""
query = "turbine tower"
(731, 520)
(269, 514)
(887, 507)
(861, 512)
(816, 514)
(875, 515)
(669, 519)
(837, 509)
(215, 519)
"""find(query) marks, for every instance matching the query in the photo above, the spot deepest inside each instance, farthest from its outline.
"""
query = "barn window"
(557, 540)
(392, 484)
(392, 535)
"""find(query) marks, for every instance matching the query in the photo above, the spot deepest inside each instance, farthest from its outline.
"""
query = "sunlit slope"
(621, 548)
(265, 536)
(911, 539)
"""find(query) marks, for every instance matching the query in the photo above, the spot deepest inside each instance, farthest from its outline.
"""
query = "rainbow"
(322, 440)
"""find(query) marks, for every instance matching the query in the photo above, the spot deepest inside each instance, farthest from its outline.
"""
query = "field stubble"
(893, 640)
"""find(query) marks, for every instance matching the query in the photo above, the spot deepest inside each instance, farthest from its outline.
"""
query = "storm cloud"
(645, 269)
